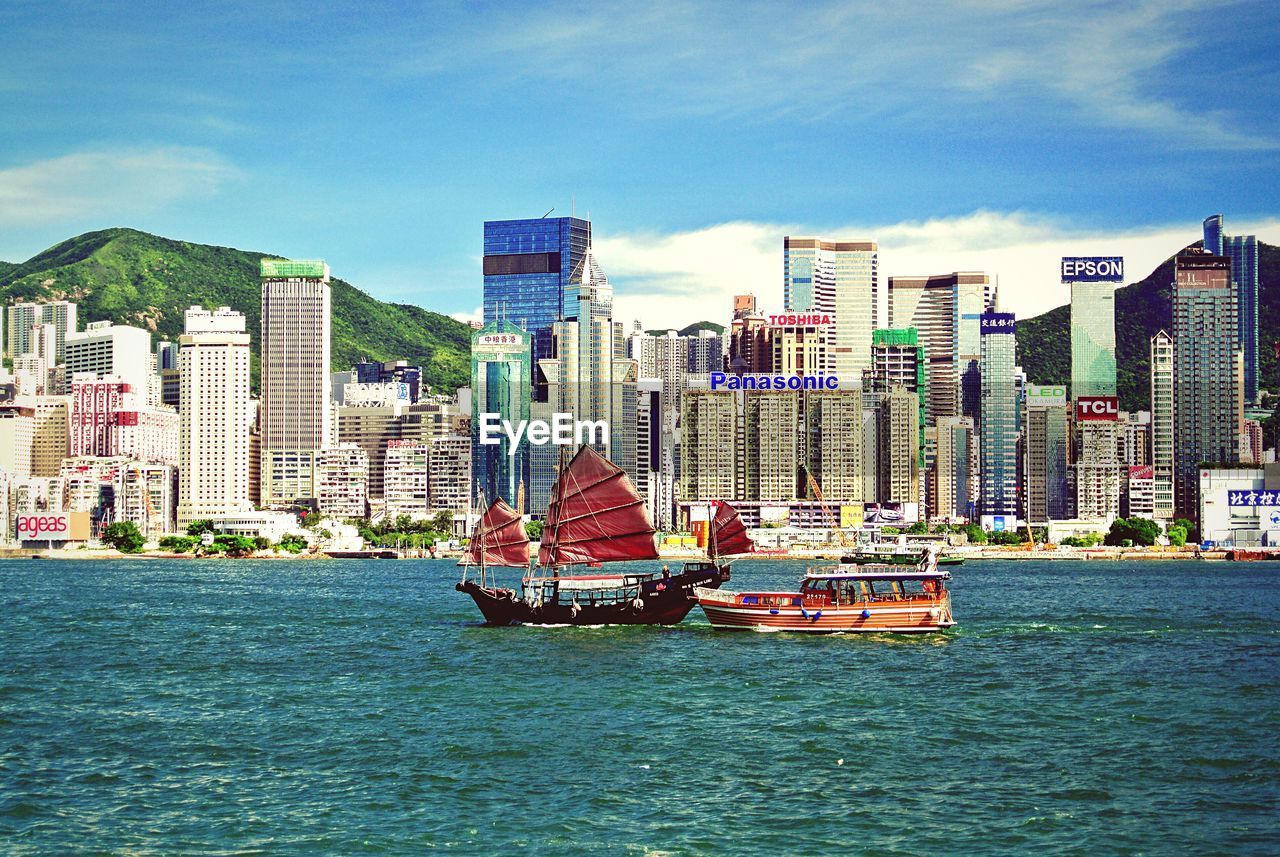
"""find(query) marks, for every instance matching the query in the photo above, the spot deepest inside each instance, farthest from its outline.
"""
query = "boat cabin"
(836, 588)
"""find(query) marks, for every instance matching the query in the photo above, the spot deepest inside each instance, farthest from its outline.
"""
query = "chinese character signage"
(997, 322)
(1247, 499)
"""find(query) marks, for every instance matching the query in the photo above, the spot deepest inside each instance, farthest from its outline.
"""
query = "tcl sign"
(1097, 408)
(35, 527)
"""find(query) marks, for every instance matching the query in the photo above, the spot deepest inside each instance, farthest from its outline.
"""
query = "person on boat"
(666, 573)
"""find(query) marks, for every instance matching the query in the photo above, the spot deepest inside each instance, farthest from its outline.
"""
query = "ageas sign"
(36, 527)
(1095, 408)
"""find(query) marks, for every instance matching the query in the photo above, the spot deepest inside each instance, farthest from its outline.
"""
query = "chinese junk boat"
(881, 598)
(595, 516)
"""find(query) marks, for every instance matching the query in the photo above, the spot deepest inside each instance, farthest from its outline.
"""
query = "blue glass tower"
(999, 417)
(527, 269)
(1242, 250)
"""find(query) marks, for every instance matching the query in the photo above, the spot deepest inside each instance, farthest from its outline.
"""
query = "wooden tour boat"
(595, 516)
(845, 598)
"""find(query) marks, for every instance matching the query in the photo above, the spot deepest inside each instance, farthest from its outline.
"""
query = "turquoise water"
(152, 707)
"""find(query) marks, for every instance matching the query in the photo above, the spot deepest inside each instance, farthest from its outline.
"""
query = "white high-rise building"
(103, 349)
(214, 417)
(1162, 424)
(841, 279)
(296, 414)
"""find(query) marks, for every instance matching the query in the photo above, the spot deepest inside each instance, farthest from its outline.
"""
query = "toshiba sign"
(1093, 408)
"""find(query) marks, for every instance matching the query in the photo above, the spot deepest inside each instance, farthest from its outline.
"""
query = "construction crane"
(826, 512)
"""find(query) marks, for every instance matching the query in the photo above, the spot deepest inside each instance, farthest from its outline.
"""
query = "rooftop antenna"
(549, 210)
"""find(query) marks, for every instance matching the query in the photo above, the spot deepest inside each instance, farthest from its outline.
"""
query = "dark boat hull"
(664, 601)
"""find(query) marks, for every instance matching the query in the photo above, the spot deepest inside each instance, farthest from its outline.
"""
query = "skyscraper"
(946, 310)
(104, 348)
(500, 384)
(839, 278)
(1206, 389)
(214, 418)
(528, 265)
(296, 415)
(898, 455)
(950, 475)
(1162, 445)
(1045, 456)
(1242, 250)
(999, 416)
(1093, 339)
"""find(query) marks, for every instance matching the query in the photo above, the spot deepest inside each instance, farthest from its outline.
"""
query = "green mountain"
(1142, 309)
(131, 277)
(691, 329)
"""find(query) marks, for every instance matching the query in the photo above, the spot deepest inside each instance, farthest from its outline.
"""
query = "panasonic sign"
(1093, 269)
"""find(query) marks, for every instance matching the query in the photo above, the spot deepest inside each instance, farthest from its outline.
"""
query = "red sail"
(499, 538)
(595, 515)
(728, 533)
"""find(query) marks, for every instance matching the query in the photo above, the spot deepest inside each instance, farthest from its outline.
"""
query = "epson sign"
(1093, 269)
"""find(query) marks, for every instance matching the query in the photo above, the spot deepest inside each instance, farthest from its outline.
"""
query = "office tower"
(49, 444)
(897, 358)
(770, 445)
(1045, 456)
(371, 426)
(20, 318)
(528, 265)
(750, 345)
(951, 473)
(391, 371)
(664, 357)
(946, 310)
(898, 456)
(709, 445)
(450, 473)
(999, 416)
(295, 415)
(213, 361)
(501, 387)
(1162, 445)
(1242, 250)
(104, 348)
(839, 278)
(1206, 391)
(833, 445)
(1093, 339)
(342, 481)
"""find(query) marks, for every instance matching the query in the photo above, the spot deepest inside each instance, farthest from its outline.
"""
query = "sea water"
(241, 707)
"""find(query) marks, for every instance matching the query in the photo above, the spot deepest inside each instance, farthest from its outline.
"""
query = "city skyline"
(981, 153)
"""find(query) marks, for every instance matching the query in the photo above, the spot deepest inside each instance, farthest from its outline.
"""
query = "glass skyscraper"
(1093, 339)
(528, 268)
(839, 278)
(500, 384)
(999, 417)
(1242, 250)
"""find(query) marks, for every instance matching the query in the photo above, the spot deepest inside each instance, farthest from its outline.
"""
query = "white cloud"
(114, 184)
(474, 315)
(670, 280)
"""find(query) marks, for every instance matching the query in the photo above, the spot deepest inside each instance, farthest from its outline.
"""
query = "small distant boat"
(893, 554)
(595, 516)
(844, 598)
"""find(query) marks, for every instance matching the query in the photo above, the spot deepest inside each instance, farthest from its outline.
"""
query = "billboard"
(999, 523)
(1045, 397)
(1253, 499)
(998, 322)
(1097, 408)
(53, 527)
(1093, 269)
(1142, 471)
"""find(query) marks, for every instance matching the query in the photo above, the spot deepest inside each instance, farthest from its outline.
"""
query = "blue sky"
(380, 136)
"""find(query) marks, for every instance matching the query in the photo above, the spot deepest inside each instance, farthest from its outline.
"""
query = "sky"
(380, 136)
